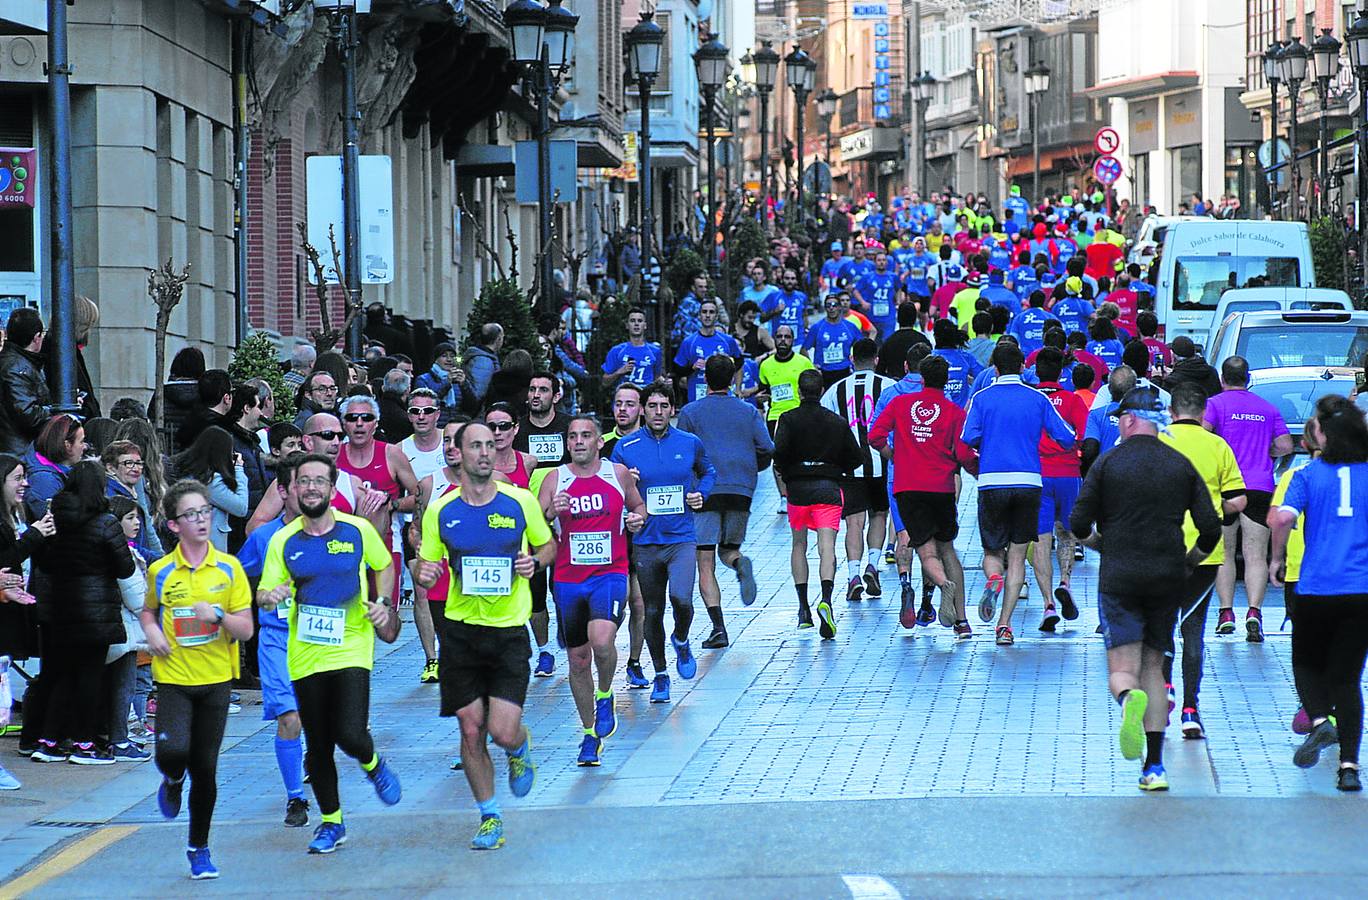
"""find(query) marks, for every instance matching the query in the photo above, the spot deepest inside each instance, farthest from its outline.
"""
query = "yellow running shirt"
(201, 653)
(1213, 459)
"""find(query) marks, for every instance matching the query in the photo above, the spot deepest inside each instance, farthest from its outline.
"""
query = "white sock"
(853, 568)
(875, 558)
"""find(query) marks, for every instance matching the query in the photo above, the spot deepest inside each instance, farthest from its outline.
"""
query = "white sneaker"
(783, 506)
(7, 781)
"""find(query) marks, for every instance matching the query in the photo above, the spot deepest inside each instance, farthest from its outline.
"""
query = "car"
(1294, 390)
(1266, 299)
(1270, 340)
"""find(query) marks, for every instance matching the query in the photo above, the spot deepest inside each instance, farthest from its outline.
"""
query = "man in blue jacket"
(1004, 423)
(674, 475)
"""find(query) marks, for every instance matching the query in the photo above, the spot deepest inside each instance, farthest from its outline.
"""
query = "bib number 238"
(486, 576)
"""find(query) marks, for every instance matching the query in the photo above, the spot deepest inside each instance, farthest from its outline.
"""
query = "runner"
(829, 340)
(494, 538)
(319, 563)
(635, 360)
(627, 419)
(1144, 566)
(876, 294)
(591, 500)
(786, 307)
(423, 450)
(927, 454)
(779, 376)
(198, 607)
(815, 451)
(675, 476)
(738, 445)
(1004, 423)
(854, 399)
(694, 351)
(513, 466)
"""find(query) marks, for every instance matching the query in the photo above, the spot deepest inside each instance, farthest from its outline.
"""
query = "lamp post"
(1037, 83)
(1272, 74)
(923, 88)
(711, 62)
(342, 29)
(765, 61)
(1292, 68)
(643, 52)
(800, 71)
(62, 321)
(1357, 39)
(826, 109)
(1325, 50)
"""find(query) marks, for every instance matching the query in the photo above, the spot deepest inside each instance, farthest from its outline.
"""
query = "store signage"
(18, 171)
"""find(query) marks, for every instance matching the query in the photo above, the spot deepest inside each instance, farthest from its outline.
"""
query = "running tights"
(1329, 644)
(666, 569)
(334, 708)
(190, 723)
(1196, 597)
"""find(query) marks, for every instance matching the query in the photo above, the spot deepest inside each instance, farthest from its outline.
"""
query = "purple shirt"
(1249, 425)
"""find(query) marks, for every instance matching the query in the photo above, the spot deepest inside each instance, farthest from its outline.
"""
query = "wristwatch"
(218, 611)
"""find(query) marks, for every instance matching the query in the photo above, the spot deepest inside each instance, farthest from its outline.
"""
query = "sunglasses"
(502, 426)
(422, 410)
(327, 435)
(358, 417)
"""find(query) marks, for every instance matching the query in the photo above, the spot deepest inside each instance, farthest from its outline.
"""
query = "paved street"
(884, 763)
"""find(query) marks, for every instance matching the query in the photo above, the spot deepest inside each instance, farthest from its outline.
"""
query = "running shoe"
(1066, 603)
(945, 614)
(1225, 622)
(1322, 736)
(783, 506)
(636, 679)
(1301, 722)
(139, 733)
(328, 837)
(890, 558)
(1154, 779)
(386, 783)
(873, 587)
(1192, 724)
(907, 612)
(1348, 780)
(47, 752)
(804, 616)
(7, 781)
(201, 866)
(490, 836)
(926, 614)
(1078, 552)
(855, 590)
(1132, 734)
(522, 771)
(129, 752)
(546, 664)
(234, 707)
(605, 716)
(457, 764)
(169, 798)
(928, 593)
(296, 812)
(88, 755)
(962, 630)
(1254, 627)
(26, 750)
(717, 640)
(1025, 592)
(1004, 636)
(988, 601)
(590, 748)
(685, 663)
(1172, 697)
(660, 693)
(745, 574)
(1050, 620)
(429, 675)
(828, 628)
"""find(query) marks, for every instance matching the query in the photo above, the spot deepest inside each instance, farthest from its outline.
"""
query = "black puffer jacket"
(25, 404)
(79, 596)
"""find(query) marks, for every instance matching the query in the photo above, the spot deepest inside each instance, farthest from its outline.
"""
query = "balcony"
(855, 109)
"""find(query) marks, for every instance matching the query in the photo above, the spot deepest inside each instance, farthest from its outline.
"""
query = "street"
(882, 764)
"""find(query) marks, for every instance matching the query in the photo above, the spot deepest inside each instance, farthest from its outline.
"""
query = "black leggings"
(1197, 591)
(335, 710)
(72, 675)
(190, 723)
(1329, 644)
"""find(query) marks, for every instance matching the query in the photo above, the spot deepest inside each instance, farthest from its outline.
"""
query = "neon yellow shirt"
(201, 653)
(782, 380)
(1296, 540)
(1213, 459)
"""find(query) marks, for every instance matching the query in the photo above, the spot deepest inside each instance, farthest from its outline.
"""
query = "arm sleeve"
(481, 371)
(883, 425)
(233, 502)
(764, 446)
(1204, 515)
(680, 357)
(120, 557)
(612, 361)
(251, 555)
(781, 444)
(829, 401)
(973, 425)
(1295, 500)
(704, 469)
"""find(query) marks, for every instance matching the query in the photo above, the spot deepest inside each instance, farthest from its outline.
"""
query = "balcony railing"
(855, 109)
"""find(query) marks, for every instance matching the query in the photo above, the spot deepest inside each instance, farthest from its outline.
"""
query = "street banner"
(375, 195)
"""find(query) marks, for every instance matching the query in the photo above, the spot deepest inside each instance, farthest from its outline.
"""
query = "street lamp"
(1292, 69)
(1272, 67)
(1357, 39)
(800, 71)
(765, 62)
(1325, 49)
(826, 109)
(711, 60)
(643, 52)
(923, 89)
(1037, 83)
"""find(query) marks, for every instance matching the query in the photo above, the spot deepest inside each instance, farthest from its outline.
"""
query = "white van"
(1276, 299)
(1203, 260)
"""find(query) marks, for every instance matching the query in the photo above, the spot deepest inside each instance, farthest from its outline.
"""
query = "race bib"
(486, 576)
(547, 448)
(881, 308)
(283, 609)
(591, 548)
(833, 354)
(190, 631)
(324, 626)
(667, 500)
(782, 393)
(700, 390)
(917, 272)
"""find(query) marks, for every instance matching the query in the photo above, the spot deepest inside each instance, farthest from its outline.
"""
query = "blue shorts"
(1057, 498)
(892, 503)
(277, 691)
(601, 597)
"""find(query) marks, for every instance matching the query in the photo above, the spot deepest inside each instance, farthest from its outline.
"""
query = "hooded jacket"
(79, 598)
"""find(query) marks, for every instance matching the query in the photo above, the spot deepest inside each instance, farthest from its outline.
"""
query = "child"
(121, 661)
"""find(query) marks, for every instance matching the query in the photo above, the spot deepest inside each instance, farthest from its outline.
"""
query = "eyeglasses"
(324, 389)
(326, 435)
(313, 482)
(422, 410)
(502, 426)
(197, 515)
(132, 463)
(358, 417)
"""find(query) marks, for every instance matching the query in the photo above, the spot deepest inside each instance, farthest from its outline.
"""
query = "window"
(1187, 173)
(1303, 345)
(1201, 280)
(1140, 178)
(1296, 399)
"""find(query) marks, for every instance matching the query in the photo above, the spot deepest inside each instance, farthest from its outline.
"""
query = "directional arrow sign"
(1106, 141)
(1107, 169)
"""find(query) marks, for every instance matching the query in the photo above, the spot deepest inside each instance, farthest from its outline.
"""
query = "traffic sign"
(1107, 169)
(1106, 141)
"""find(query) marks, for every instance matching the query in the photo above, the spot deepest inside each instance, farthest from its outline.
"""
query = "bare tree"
(165, 286)
(326, 336)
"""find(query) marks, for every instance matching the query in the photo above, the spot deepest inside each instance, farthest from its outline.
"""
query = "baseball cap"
(1016, 190)
(1142, 399)
(1074, 285)
(1048, 279)
(1183, 347)
(1097, 197)
(837, 245)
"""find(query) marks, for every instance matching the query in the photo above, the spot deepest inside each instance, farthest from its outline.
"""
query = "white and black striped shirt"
(854, 398)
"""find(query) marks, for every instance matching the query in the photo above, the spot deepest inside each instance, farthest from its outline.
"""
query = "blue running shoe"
(522, 771)
(661, 692)
(546, 664)
(386, 784)
(490, 836)
(169, 798)
(636, 679)
(1154, 778)
(328, 837)
(201, 866)
(605, 716)
(590, 748)
(684, 658)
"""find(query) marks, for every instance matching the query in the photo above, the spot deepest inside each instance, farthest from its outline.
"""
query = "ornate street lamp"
(1325, 51)
(712, 62)
(800, 71)
(643, 51)
(1272, 67)
(1357, 39)
(1292, 69)
(923, 90)
(765, 63)
(1037, 83)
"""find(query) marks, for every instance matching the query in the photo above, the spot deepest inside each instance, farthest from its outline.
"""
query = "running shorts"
(1008, 516)
(869, 494)
(277, 690)
(1257, 504)
(1129, 620)
(1057, 498)
(818, 515)
(928, 516)
(602, 597)
(724, 528)
(478, 662)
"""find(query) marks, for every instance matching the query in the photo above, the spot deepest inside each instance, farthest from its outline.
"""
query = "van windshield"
(1201, 280)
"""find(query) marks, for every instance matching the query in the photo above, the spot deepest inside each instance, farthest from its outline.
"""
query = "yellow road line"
(67, 859)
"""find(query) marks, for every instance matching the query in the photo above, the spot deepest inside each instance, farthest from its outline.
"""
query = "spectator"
(482, 361)
(25, 403)
(152, 486)
(301, 364)
(213, 461)
(1189, 367)
(578, 319)
(215, 399)
(99, 431)
(455, 393)
(394, 421)
(509, 385)
(60, 445)
(180, 394)
(629, 259)
(243, 419)
(282, 439)
(123, 464)
(553, 330)
(20, 538)
(121, 659)
(86, 316)
(127, 408)
(336, 365)
(317, 394)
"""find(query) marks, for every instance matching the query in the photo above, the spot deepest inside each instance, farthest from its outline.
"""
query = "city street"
(884, 763)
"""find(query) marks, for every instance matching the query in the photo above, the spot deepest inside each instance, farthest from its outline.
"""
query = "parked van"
(1151, 236)
(1276, 299)
(1202, 260)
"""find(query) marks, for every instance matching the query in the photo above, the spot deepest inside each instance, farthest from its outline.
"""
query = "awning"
(495, 160)
(1144, 85)
(1024, 163)
(872, 143)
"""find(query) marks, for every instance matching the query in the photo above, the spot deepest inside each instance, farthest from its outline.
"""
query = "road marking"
(870, 887)
(67, 859)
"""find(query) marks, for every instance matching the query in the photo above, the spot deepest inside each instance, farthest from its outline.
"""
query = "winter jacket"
(149, 546)
(45, 479)
(82, 563)
(811, 441)
(25, 404)
(133, 593)
(18, 624)
(481, 363)
(181, 399)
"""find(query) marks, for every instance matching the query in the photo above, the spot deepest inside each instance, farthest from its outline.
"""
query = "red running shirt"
(593, 540)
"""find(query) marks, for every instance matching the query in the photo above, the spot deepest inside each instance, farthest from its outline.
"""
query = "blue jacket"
(675, 460)
(964, 368)
(1004, 423)
(734, 433)
(149, 545)
(1074, 313)
(989, 375)
(450, 395)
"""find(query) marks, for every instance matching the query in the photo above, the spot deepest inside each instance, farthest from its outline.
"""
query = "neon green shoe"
(1132, 736)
